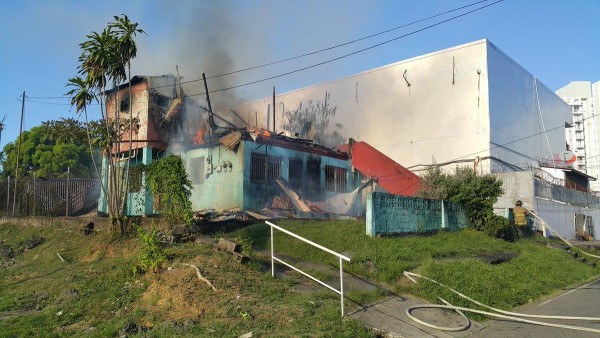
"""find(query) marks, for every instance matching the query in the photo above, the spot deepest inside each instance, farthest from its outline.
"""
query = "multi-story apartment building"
(583, 139)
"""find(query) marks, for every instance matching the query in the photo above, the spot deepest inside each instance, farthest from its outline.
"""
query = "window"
(196, 169)
(163, 101)
(264, 168)
(124, 105)
(335, 178)
(295, 170)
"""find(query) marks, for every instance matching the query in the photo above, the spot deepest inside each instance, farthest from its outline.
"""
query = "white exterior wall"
(526, 118)
(517, 186)
(461, 102)
(585, 135)
(434, 117)
(561, 216)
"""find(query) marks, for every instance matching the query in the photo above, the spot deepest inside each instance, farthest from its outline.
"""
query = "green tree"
(477, 194)
(103, 59)
(49, 149)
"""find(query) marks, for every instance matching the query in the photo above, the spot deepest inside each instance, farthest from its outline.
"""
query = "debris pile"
(233, 248)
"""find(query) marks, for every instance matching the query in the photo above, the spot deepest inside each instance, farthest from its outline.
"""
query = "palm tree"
(125, 31)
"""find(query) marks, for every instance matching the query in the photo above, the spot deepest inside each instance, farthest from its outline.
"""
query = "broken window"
(313, 179)
(124, 105)
(335, 178)
(264, 168)
(196, 169)
(295, 170)
(163, 101)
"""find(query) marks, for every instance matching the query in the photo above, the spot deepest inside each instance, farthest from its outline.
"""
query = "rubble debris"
(88, 229)
(179, 233)
(257, 215)
(282, 202)
(32, 242)
(228, 245)
(200, 277)
(233, 248)
(231, 140)
(342, 204)
(133, 328)
(297, 202)
(6, 252)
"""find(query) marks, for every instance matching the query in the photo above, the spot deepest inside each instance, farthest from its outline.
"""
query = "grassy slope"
(446, 257)
(96, 293)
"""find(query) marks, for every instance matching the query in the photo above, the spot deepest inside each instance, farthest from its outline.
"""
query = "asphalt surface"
(583, 301)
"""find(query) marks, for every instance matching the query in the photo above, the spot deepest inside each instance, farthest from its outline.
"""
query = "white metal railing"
(340, 256)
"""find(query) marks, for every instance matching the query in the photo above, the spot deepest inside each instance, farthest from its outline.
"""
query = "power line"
(352, 53)
(341, 44)
(326, 49)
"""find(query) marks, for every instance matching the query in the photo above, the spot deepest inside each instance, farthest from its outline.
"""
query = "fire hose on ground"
(494, 312)
(497, 313)
(559, 236)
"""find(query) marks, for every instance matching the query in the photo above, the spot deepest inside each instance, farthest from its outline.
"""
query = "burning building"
(229, 167)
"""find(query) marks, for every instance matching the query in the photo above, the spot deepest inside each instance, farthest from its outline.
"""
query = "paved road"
(583, 301)
(389, 316)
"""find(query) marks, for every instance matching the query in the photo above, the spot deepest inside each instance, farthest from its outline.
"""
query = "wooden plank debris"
(294, 198)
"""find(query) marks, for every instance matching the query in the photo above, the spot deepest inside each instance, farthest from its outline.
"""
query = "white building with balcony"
(584, 137)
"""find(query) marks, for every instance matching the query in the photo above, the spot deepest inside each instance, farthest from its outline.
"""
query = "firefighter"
(520, 215)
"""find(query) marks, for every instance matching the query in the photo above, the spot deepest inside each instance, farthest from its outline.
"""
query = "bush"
(501, 227)
(152, 255)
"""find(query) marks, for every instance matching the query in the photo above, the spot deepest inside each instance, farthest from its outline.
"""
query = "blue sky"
(557, 41)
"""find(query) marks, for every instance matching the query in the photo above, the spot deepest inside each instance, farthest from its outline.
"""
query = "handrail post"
(272, 260)
(342, 286)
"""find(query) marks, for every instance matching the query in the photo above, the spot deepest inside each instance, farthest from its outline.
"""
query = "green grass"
(95, 293)
(447, 257)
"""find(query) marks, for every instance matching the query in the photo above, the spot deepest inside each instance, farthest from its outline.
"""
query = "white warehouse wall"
(433, 117)
(461, 102)
(526, 118)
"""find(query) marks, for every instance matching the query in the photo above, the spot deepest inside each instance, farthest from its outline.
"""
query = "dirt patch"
(176, 294)
(102, 249)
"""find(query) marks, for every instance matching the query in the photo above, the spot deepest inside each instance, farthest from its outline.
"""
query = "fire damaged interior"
(242, 168)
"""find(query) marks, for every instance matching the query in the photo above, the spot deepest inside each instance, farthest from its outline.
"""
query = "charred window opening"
(163, 101)
(335, 178)
(264, 168)
(135, 178)
(124, 105)
(295, 170)
(196, 170)
(313, 178)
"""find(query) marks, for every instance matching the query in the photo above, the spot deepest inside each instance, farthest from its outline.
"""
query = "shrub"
(501, 227)
(152, 255)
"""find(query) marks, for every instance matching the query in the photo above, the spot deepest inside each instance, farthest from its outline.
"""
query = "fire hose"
(497, 313)
(561, 237)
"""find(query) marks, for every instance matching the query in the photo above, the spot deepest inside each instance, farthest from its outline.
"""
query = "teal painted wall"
(392, 214)
(222, 187)
(259, 195)
(140, 203)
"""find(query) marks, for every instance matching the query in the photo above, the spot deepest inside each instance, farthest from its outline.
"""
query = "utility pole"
(211, 120)
(68, 200)
(18, 154)
(274, 131)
